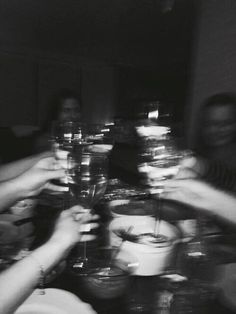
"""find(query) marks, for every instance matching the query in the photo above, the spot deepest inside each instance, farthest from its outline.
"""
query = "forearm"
(19, 281)
(14, 169)
(217, 174)
(223, 206)
(10, 193)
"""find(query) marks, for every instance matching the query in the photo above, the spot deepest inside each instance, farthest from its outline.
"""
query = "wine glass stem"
(85, 250)
(158, 216)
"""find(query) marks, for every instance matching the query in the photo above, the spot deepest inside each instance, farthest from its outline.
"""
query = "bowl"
(109, 276)
(152, 258)
(127, 207)
(107, 282)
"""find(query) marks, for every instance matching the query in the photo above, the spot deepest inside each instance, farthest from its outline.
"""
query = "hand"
(74, 225)
(192, 167)
(38, 177)
(196, 193)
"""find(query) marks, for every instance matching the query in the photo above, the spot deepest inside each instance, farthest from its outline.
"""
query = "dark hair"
(221, 99)
(55, 103)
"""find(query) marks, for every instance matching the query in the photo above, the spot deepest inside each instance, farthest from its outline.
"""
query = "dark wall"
(28, 83)
(214, 67)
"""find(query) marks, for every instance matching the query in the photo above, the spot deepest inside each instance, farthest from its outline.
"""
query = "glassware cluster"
(86, 168)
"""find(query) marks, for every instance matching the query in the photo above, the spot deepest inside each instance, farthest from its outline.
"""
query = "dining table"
(160, 293)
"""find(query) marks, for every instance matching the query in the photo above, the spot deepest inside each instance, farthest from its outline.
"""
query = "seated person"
(217, 130)
(21, 278)
(189, 189)
(28, 177)
(65, 107)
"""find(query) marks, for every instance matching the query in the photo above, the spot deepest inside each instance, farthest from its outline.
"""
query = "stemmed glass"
(87, 178)
(66, 137)
(159, 160)
(158, 167)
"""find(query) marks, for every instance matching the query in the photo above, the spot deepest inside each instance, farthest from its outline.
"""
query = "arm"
(214, 172)
(16, 168)
(31, 182)
(22, 278)
(202, 196)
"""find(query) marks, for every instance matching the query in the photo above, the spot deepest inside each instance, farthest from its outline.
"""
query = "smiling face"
(219, 124)
(70, 110)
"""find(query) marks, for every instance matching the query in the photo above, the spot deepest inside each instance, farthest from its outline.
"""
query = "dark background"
(109, 51)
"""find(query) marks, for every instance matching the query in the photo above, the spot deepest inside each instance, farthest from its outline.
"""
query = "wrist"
(51, 253)
(20, 190)
(65, 243)
(13, 189)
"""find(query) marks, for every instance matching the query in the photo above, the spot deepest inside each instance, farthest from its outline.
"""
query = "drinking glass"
(67, 137)
(160, 160)
(87, 179)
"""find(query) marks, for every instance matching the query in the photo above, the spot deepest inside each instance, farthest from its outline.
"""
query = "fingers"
(87, 227)
(186, 173)
(56, 188)
(177, 190)
(55, 174)
(78, 224)
(51, 163)
(189, 162)
(82, 214)
(88, 222)
(61, 154)
(87, 238)
(78, 209)
(86, 231)
(179, 183)
(46, 154)
(175, 195)
(46, 163)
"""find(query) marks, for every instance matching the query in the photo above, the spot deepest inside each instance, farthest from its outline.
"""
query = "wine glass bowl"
(109, 273)
(87, 180)
(87, 177)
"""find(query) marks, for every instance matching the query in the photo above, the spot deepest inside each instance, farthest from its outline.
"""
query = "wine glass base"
(80, 266)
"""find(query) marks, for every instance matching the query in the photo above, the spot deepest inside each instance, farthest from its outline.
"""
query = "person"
(21, 278)
(71, 226)
(188, 188)
(217, 130)
(64, 107)
(28, 177)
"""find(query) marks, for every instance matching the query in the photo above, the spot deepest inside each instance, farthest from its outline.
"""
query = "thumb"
(54, 174)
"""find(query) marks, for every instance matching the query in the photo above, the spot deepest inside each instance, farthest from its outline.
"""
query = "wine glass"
(160, 160)
(87, 179)
(67, 137)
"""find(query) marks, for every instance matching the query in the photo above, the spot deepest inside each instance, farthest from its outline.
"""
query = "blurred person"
(190, 188)
(20, 280)
(65, 106)
(217, 129)
(28, 178)
(22, 141)
(202, 196)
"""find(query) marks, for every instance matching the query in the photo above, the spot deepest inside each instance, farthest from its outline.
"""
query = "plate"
(226, 281)
(54, 301)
